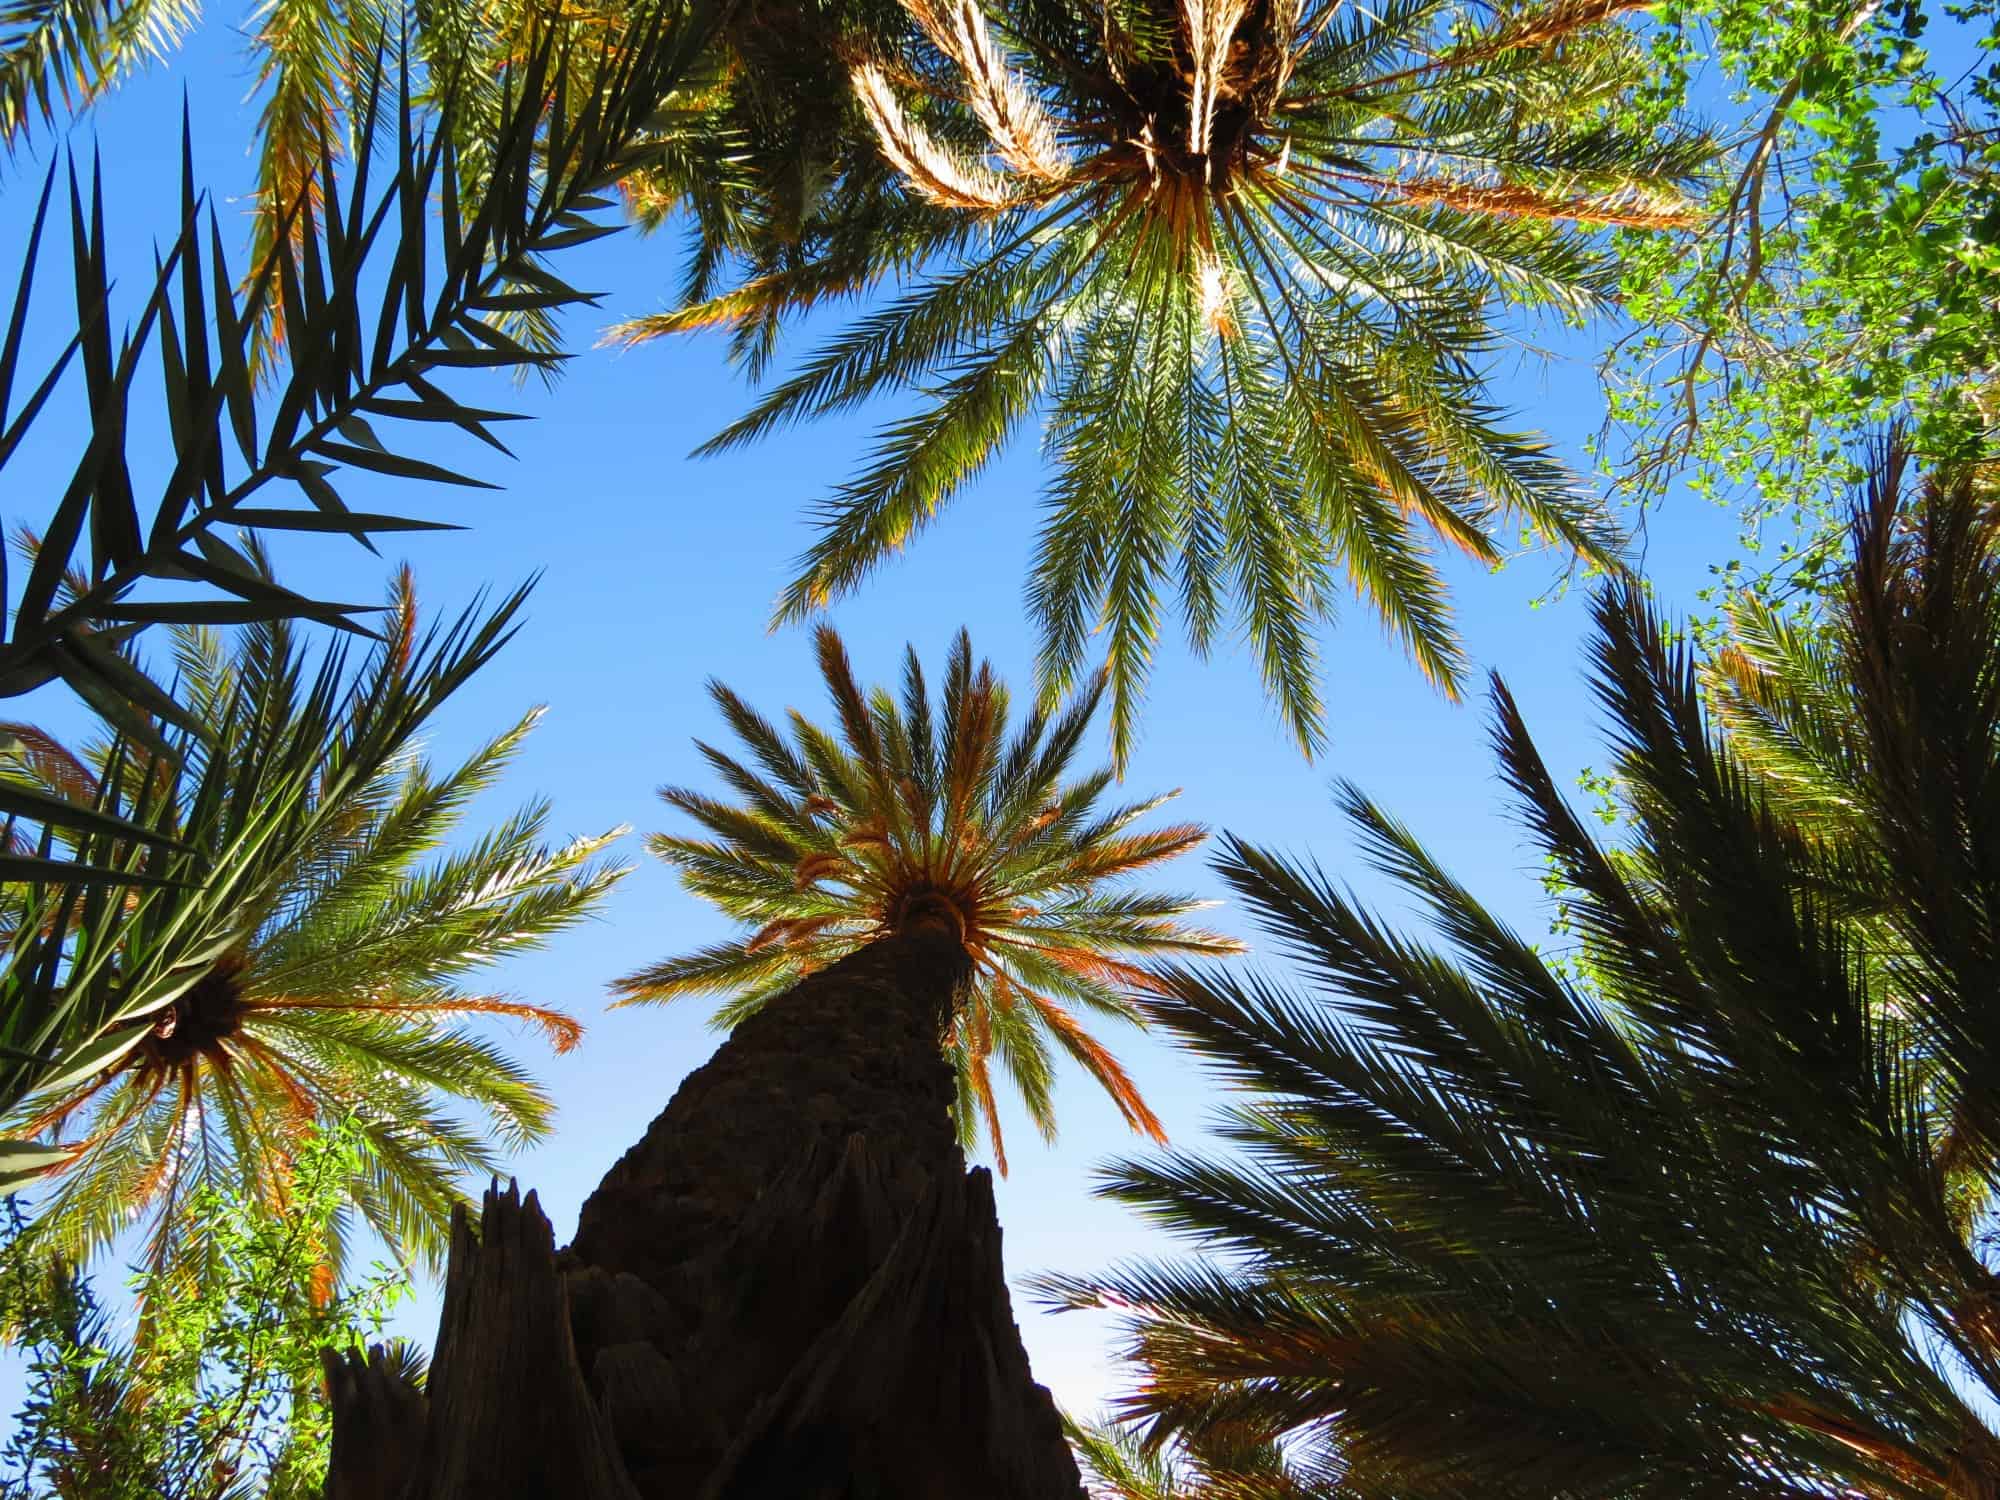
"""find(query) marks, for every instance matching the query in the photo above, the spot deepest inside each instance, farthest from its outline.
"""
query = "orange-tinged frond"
(789, 932)
(59, 1111)
(1139, 850)
(563, 1030)
(729, 311)
(1624, 210)
(301, 1104)
(1087, 963)
(1106, 1069)
(1552, 23)
(50, 762)
(166, 1165)
(982, 1089)
(817, 867)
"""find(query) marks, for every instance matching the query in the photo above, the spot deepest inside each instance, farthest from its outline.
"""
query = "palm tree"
(1242, 257)
(911, 814)
(324, 975)
(1712, 1218)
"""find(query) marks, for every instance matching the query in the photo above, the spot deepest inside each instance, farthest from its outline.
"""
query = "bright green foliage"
(58, 55)
(1847, 273)
(320, 965)
(1714, 1223)
(220, 1396)
(1118, 1464)
(83, 960)
(920, 812)
(1242, 258)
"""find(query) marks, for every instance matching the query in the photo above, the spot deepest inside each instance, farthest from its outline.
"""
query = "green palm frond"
(61, 54)
(313, 962)
(1712, 1218)
(1243, 260)
(391, 274)
(914, 809)
(1120, 1464)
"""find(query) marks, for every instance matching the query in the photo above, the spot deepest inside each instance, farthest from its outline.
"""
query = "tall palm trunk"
(790, 1287)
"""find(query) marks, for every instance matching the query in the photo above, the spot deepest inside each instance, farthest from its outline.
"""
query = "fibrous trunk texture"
(791, 1287)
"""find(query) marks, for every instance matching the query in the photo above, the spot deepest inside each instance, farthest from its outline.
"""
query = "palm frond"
(1701, 1213)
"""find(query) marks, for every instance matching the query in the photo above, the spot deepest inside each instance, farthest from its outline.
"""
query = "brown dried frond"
(1630, 208)
(1211, 27)
(816, 867)
(936, 172)
(1021, 130)
(1537, 28)
(788, 932)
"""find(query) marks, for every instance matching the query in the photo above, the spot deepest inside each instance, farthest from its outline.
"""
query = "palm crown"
(329, 979)
(1714, 1220)
(1242, 257)
(907, 811)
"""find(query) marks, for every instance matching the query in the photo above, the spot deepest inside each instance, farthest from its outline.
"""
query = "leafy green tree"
(219, 1396)
(1844, 275)
(1713, 1219)
(1244, 259)
(320, 966)
(913, 812)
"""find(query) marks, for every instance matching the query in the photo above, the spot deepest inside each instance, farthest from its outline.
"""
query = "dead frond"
(1022, 133)
(933, 169)
(1627, 209)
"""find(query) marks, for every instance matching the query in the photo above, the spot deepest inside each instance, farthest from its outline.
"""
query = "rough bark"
(790, 1287)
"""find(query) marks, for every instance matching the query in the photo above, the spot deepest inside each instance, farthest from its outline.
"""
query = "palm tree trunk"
(790, 1287)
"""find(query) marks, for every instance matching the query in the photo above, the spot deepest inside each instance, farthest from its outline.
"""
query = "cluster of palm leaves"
(840, 837)
(313, 962)
(1240, 259)
(1709, 1213)
(164, 876)
(1120, 1463)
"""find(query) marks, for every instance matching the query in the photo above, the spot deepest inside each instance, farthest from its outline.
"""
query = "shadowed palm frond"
(1707, 1212)
(391, 275)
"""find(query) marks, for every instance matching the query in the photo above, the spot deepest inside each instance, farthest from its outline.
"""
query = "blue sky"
(659, 571)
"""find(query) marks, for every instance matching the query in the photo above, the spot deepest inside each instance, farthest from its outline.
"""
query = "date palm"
(1709, 1213)
(1242, 259)
(911, 813)
(329, 975)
